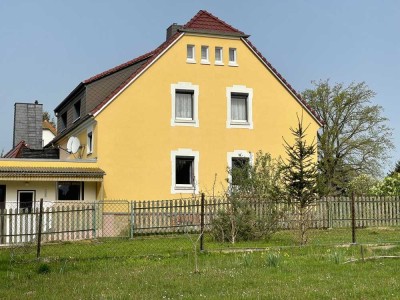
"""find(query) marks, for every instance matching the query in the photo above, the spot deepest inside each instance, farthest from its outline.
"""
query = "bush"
(253, 202)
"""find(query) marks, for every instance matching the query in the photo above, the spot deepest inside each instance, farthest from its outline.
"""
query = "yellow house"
(168, 123)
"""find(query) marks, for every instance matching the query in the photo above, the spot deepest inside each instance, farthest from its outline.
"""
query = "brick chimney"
(171, 30)
(28, 124)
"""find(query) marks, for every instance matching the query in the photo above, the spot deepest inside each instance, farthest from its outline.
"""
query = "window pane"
(204, 52)
(190, 52)
(232, 54)
(26, 201)
(239, 107)
(239, 169)
(77, 107)
(184, 170)
(183, 105)
(218, 54)
(69, 190)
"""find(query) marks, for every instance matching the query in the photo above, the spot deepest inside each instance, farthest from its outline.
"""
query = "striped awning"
(8, 173)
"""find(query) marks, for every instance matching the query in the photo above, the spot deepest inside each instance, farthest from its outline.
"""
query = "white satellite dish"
(73, 144)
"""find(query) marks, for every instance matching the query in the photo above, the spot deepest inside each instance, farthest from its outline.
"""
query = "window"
(70, 190)
(89, 141)
(239, 107)
(77, 110)
(204, 55)
(238, 160)
(233, 57)
(239, 169)
(64, 121)
(218, 56)
(190, 54)
(184, 103)
(26, 200)
(184, 171)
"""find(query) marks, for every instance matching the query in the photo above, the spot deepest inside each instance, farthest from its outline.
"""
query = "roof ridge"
(202, 12)
(119, 67)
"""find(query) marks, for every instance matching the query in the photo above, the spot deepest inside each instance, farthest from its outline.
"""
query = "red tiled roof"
(204, 21)
(16, 151)
(119, 67)
(47, 125)
(154, 55)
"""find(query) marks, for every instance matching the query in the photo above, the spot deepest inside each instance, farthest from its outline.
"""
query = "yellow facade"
(134, 138)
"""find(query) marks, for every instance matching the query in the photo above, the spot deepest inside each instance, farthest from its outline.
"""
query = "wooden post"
(353, 219)
(202, 222)
(39, 237)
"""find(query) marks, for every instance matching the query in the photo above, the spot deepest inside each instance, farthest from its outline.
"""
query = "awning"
(10, 173)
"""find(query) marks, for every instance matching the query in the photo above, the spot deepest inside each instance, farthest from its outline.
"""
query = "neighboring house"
(170, 122)
(48, 132)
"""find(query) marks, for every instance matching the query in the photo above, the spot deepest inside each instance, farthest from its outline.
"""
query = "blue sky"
(48, 47)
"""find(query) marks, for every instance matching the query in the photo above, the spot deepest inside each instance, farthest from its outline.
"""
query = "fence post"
(202, 222)
(94, 219)
(132, 218)
(353, 219)
(39, 237)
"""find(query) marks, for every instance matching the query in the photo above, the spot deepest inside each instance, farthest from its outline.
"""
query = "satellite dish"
(73, 144)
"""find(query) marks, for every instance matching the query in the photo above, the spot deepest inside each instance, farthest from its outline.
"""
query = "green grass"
(163, 268)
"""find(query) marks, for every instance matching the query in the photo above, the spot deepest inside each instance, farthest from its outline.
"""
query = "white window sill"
(204, 62)
(237, 124)
(184, 189)
(190, 61)
(217, 63)
(77, 119)
(233, 64)
(182, 122)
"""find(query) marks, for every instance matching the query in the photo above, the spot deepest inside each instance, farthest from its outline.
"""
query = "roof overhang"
(11, 173)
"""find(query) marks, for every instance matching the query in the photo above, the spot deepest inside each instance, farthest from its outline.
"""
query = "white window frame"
(233, 63)
(239, 89)
(89, 146)
(206, 60)
(191, 49)
(187, 86)
(185, 188)
(237, 154)
(221, 61)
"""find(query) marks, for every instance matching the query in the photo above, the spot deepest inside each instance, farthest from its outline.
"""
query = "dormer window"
(190, 54)
(204, 55)
(233, 57)
(77, 110)
(218, 56)
(63, 121)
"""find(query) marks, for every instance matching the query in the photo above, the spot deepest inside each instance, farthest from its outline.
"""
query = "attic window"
(218, 56)
(77, 110)
(204, 55)
(233, 57)
(190, 54)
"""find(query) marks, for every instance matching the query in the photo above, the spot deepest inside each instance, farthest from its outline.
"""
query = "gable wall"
(135, 137)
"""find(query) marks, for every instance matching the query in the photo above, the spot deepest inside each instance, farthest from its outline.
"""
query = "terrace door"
(2, 207)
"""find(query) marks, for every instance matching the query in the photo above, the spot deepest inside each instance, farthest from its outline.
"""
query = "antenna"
(73, 144)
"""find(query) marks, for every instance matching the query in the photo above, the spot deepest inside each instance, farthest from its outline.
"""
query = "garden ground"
(97, 270)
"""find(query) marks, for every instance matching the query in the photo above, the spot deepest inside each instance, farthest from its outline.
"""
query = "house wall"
(46, 190)
(135, 137)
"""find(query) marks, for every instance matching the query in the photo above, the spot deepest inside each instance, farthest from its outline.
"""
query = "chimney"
(171, 30)
(28, 124)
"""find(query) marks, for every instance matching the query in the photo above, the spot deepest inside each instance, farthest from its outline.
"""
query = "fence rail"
(63, 221)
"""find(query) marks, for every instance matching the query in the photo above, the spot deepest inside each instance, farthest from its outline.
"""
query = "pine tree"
(300, 173)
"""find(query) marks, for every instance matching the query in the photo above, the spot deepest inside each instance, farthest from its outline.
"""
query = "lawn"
(163, 268)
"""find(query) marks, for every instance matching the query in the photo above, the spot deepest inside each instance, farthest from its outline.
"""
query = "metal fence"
(54, 222)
